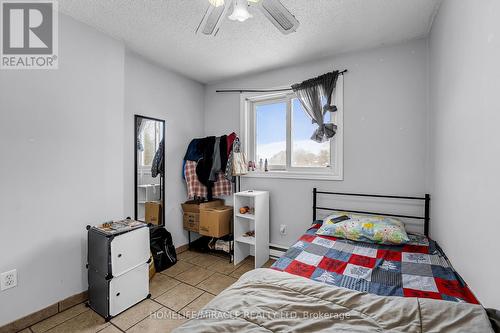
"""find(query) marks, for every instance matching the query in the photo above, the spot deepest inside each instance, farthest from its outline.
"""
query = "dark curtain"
(310, 93)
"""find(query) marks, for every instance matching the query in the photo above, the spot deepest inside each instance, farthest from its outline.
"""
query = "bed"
(324, 283)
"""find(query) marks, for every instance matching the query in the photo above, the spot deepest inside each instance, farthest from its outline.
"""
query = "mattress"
(266, 300)
(417, 269)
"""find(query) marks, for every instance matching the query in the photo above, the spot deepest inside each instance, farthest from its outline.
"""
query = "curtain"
(310, 93)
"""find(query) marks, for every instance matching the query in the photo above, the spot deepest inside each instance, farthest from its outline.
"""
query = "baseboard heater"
(276, 251)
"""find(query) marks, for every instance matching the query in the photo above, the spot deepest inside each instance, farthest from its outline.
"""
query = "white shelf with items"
(257, 221)
(146, 193)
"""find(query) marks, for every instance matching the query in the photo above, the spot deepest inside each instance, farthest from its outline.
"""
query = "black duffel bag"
(162, 248)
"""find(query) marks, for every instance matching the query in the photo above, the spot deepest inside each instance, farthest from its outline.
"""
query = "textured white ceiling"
(164, 31)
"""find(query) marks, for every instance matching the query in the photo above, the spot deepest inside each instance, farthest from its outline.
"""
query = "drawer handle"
(118, 294)
(120, 255)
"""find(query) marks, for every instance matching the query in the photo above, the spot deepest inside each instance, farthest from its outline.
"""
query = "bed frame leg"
(314, 203)
(427, 214)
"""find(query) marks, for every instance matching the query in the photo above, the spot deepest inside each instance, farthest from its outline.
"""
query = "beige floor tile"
(135, 314)
(86, 322)
(186, 255)
(192, 308)
(110, 329)
(205, 260)
(194, 275)
(160, 284)
(179, 267)
(59, 318)
(179, 296)
(269, 263)
(216, 283)
(224, 267)
(26, 330)
(242, 270)
(161, 321)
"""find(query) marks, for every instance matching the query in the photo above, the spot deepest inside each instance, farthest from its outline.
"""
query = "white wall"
(67, 158)
(465, 116)
(385, 125)
(155, 92)
(61, 154)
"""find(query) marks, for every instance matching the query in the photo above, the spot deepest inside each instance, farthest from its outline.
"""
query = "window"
(276, 127)
(150, 137)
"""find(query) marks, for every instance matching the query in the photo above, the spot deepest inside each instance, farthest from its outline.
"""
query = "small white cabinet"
(257, 220)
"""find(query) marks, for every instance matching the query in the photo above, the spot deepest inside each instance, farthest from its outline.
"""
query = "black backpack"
(162, 248)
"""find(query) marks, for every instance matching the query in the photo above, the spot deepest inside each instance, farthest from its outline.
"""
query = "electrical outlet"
(8, 280)
(283, 229)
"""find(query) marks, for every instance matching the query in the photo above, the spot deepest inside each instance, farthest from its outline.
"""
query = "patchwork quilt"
(417, 269)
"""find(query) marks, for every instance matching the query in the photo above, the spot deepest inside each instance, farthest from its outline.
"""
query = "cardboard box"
(154, 213)
(216, 221)
(191, 216)
(195, 206)
(191, 221)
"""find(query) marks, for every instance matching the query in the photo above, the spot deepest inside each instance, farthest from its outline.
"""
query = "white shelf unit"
(146, 193)
(257, 246)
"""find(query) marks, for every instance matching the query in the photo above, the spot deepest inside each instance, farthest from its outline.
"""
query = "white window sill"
(293, 175)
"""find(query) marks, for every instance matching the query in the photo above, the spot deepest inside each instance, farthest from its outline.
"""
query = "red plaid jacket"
(196, 189)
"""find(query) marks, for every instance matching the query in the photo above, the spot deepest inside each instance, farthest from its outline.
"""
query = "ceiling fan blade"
(279, 16)
(212, 19)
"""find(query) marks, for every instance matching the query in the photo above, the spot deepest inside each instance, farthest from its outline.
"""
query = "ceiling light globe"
(240, 12)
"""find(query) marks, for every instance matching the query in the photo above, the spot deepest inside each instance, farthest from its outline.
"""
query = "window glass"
(270, 131)
(151, 140)
(307, 153)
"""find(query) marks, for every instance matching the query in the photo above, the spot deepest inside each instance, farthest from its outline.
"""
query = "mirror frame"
(162, 180)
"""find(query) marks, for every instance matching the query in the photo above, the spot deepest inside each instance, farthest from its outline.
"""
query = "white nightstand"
(257, 220)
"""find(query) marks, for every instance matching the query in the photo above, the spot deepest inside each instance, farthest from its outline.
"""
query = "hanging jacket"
(204, 166)
(158, 165)
(223, 153)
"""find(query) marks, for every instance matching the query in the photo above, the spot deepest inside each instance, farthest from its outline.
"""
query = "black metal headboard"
(426, 199)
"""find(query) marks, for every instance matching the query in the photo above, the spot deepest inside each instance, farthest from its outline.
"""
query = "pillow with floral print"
(365, 228)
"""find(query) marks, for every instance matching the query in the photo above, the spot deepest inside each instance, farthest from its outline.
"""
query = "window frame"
(248, 101)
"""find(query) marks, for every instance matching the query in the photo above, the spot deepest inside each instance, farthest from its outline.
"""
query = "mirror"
(149, 170)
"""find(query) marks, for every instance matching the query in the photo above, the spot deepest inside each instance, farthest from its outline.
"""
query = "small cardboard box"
(154, 212)
(191, 216)
(191, 221)
(216, 221)
(195, 206)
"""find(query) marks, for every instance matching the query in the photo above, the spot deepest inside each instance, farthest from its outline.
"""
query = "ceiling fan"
(274, 10)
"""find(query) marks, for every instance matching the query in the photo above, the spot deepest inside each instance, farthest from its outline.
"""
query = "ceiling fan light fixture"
(279, 16)
(240, 11)
(216, 3)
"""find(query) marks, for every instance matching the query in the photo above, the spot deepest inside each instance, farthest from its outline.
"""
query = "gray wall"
(465, 115)
(385, 124)
(61, 169)
(156, 92)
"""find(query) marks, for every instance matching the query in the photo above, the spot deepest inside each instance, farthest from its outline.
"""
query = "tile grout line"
(161, 306)
(112, 324)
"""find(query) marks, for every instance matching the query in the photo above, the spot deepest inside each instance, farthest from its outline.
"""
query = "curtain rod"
(261, 90)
